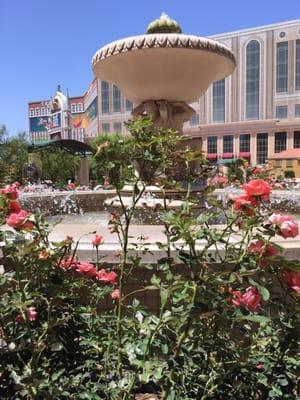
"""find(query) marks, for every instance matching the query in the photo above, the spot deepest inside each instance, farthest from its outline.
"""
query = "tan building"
(286, 163)
(254, 113)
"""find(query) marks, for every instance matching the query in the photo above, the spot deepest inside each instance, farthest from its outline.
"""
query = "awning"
(227, 155)
(228, 161)
(211, 156)
(245, 154)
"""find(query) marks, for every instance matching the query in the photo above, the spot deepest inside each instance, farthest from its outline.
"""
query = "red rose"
(292, 279)
(86, 269)
(97, 240)
(105, 277)
(245, 204)
(19, 220)
(14, 206)
(258, 188)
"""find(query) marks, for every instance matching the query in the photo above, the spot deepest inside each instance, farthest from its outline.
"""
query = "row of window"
(288, 163)
(252, 88)
(116, 99)
(219, 110)
(77, 107)
(117, 127)
(39, 112)
(44, 135)
(282, 111)
(280, 144)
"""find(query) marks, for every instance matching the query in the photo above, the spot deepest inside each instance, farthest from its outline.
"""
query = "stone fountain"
(163, 71)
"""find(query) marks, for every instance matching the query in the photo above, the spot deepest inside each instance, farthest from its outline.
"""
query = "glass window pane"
(219, 101)
(261, 148)
(252, 79)
(282, 67)
(117, 127)
(297, 64)
(280, 142)
(116, 99)
(281, 112)
(228, 144)
(297, 140)
(105, 128)
(128, 105)
(194, 120)
(297, 110)
(212, 144)
(245, 143)
(105, 97)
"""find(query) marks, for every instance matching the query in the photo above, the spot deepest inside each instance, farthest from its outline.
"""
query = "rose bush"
(213, 318)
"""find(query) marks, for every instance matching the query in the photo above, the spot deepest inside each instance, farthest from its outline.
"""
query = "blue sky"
(43, 43)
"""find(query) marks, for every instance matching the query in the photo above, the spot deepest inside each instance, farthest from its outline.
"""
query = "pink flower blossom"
(19, 220)
(263, 249)
(108, 278)
(251, 299)
(86, 269)
(245, 204)
(287, 226)
(31, 315)
(97, 240)
(115, 294)
(292, 279)
(67, 264)
(10, 192)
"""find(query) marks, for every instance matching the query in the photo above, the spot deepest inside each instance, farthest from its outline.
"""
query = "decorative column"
(271, 144)
(290, 140)
(253, 149)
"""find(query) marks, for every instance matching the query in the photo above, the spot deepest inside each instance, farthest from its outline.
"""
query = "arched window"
(252, 79)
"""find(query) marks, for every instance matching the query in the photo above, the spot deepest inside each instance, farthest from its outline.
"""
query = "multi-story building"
(253, 113)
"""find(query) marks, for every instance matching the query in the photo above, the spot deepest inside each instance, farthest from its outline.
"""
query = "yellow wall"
(279, 167)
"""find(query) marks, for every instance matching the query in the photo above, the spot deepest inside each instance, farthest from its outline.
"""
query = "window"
(105, 128)
(31, 112)
(105, 97)
(297, 140)
(282, 67)
(297, 110)
(277, 164)
(73, 108)
(194, 120)
(128, 105)
(261, 148)
(116, 99)
(289, 163)
(228, 144)
(219, 101)
(297, 77)
(212, 144)
(117, 127)
(245, 143)
(281, 112)
(252, 79)
(280, 142)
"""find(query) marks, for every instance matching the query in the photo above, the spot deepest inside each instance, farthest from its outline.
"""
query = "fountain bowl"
(169, 66)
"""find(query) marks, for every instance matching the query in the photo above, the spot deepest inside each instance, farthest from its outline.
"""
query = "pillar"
(83, 175)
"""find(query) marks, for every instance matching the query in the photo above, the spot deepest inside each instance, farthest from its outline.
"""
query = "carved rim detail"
(168, 40)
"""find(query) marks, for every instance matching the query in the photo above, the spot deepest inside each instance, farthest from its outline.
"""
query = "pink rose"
(97, 240)
(288, 227)
(10, 192)
(252, 298)
(263, 249)
(115, 294)
(19, 220)
(258, 188)
(292, 279)
(86, 269)
(105, 277)
(69, 263)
